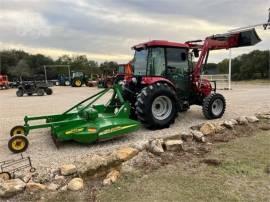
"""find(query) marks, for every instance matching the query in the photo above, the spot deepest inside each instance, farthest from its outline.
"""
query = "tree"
(108, 68)
(21, 70)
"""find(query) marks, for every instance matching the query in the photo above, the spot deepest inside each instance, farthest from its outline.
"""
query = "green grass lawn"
(242, 176)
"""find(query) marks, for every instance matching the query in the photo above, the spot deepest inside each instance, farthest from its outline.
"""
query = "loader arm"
(218, 42)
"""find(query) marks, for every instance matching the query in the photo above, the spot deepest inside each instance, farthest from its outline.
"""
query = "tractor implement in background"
(84, 123)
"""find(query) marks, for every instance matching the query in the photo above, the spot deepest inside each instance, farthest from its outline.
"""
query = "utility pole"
(230, 68)
(0, 64)
(269, 64)
(45, 73)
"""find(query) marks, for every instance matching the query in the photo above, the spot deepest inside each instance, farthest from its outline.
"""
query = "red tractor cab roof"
(157, 43)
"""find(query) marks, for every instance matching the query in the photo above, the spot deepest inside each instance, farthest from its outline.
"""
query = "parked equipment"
(84, 122)
(123, 71)
(62, 80)
(8, 168)
(4, 84)
(31, 88)
(78, 79)
(165, 81)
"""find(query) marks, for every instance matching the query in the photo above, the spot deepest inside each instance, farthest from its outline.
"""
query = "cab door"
(177, 70)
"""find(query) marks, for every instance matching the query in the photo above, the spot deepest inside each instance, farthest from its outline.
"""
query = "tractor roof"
(160, 43)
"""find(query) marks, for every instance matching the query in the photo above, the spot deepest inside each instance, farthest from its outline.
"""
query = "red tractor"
(4, 81)
(166, 82)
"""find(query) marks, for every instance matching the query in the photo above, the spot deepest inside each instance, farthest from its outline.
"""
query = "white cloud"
(104, 29)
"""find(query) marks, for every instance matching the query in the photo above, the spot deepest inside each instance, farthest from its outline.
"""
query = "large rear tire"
(214, 106)
(156, 106)
(77, 83)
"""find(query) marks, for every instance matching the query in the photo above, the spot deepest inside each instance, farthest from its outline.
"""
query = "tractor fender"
(157, 79)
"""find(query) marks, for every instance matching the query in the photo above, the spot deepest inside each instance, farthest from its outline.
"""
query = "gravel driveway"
(244, 99)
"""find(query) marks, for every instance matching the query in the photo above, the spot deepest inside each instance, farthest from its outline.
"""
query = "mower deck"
(83, 123)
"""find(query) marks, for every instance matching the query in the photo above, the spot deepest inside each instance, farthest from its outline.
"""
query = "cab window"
(177, 61)
(156, 62)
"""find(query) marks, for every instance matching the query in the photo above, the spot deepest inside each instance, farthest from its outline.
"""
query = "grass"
(240, 177)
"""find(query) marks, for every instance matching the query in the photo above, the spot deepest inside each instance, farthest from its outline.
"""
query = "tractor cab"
(163, 59)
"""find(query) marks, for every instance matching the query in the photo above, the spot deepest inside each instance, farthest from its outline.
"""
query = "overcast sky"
(106, 29)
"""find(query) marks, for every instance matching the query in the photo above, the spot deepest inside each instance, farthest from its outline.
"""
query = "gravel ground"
(244, 99)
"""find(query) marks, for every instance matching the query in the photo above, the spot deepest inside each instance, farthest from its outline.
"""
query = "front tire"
(156, 106)
(214, 106)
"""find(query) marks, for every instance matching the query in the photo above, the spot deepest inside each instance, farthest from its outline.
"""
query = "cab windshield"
(140, 62)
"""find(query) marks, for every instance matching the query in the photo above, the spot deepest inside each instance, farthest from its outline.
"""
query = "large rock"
(198, 136)
(75, 184)
(35, 187)
(188, 137)
(252, 119)
(111, 177)
(59, 179)
(53, 186)
(173, 145)
(263, 115)
(68, 169)
(208, 129)
(90, 165)
(155, 146)
(219, 128)
(11, 187)
(234, 122)
(126, 153)
(242, 120)
(228, 124)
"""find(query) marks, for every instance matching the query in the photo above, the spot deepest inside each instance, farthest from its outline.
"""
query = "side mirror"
(196, 52)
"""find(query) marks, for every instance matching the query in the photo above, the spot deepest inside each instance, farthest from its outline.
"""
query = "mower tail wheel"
(18, 144)
(17, 130)
(19, 93)
(156, 106)
(214, 106)
(40, 92)
(49, 91)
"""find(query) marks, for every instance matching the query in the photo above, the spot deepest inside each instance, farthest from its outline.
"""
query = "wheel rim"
(18, 144)
(217, 107)
(18, 131)
(78, 83)
(162, 107)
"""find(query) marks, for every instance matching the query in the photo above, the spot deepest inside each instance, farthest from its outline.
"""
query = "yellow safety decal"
(110, 130)
(92, 130)
(76, 130)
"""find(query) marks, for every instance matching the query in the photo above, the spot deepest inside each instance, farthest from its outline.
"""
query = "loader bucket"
(236, 39)
(248, 38)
